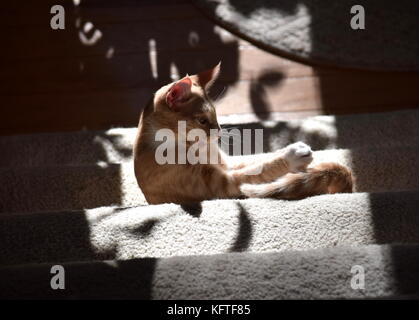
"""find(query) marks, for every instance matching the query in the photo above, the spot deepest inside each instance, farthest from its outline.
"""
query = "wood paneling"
(51, 81)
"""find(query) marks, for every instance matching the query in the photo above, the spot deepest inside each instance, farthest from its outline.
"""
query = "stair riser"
(79, 187)
(115, 145)
(320, 274)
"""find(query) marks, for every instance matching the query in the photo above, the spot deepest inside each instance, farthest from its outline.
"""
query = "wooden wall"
(57, 80)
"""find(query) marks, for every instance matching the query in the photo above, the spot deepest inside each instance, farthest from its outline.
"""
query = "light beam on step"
(174, 72)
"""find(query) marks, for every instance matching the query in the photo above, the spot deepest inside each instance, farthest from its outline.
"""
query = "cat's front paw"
(298, 156)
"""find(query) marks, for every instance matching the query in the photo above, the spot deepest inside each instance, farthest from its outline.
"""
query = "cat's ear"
(178, 93)
(206, 78)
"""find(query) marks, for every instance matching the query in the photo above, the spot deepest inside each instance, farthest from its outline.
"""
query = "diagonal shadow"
(145, 228)
(244, 233)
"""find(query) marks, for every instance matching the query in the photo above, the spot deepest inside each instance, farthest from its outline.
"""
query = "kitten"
(282, 174)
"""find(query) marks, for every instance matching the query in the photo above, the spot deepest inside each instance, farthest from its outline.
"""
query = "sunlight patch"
(89, 41)
(152, 54)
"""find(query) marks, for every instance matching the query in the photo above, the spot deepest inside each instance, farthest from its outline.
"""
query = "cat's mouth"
(306, 155)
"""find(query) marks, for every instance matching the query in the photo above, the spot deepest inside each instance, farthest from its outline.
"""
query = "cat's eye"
(202, 121)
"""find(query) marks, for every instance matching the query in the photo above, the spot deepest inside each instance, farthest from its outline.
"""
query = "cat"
(282, 174)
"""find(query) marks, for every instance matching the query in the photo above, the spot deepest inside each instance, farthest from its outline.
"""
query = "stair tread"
(217, 226)
(390, 271)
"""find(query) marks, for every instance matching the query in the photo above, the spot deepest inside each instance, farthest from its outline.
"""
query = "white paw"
(298, 156)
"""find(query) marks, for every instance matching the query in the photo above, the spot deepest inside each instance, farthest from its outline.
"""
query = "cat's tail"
(324, 178)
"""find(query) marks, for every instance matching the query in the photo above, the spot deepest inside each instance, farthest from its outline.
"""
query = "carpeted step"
(387, 272)
(31, 189)
(323, 35)
(212, 227)
(115, 145)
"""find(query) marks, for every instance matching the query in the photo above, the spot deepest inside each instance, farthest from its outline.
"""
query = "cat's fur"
(283, 173)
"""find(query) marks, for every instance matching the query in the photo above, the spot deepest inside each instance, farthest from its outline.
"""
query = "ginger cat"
(282, 174)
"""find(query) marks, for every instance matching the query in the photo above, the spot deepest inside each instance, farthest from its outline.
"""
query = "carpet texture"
(72, 199)
(94, 169)
(390, 272)
(212, 227)
(115, 145)
(28, 189)
(320, 32)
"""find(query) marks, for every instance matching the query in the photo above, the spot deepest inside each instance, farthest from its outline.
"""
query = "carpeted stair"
(323, 34)
(72, 199)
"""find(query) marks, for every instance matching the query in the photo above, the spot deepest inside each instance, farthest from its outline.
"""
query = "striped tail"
(322, 179)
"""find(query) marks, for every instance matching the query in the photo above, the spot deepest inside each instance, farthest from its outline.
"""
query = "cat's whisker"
(220, 94)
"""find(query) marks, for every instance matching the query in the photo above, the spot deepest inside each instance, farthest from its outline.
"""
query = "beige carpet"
(72, 199)
(319, 31)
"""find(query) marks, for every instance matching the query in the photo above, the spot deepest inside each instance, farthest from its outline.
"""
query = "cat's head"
(187, 100)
